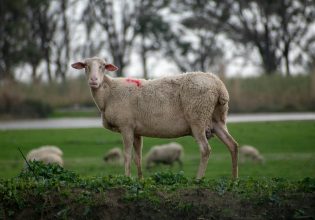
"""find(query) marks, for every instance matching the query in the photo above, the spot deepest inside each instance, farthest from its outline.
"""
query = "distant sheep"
(194, 103)
(46, 154)
(114, 155)
(52, 149)
(250, 152)
(164, 154)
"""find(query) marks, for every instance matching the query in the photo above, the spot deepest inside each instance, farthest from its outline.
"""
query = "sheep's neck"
(99, 98)
(99, 94)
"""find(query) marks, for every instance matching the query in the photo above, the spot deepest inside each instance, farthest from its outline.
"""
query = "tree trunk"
(287, 65)
(120, 63)
(267, 52)
(35, 78)
(48, 66)
(144, 58)
(65, 28)
(312, 87)
(286, 57)
(7, 75)
(269, 61)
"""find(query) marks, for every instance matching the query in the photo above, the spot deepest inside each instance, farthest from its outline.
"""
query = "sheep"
(52, 149)
(165, 154)
(194, 103)
(251, 153)
(113, 155)
(46, 149)
(46, 154)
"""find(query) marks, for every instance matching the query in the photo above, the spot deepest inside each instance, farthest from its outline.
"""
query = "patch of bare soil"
(179, 204)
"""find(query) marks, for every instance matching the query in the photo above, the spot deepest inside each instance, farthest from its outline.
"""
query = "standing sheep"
(251, 153)
(113, 155)
(188, 104)
(165, 154)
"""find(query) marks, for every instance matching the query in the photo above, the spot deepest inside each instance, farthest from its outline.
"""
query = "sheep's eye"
(87, 69)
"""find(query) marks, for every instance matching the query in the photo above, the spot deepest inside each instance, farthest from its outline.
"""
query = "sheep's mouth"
(94, 85)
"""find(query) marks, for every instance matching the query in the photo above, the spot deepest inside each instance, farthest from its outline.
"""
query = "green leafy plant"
(63, 194)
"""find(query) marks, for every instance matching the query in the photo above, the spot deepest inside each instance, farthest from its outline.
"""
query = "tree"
(12, 36)
(274, 28)
(26, 35)
(94, 44)
(189, 45)
(151, 29)
(200, 52)
(62, 44)
(32, 53)
(46, 24)
(118, 27)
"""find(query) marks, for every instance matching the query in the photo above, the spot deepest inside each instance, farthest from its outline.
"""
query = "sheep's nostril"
(93, 78)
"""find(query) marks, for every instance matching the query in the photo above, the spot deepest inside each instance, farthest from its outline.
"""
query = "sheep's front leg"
(137, 144)
(128, 139)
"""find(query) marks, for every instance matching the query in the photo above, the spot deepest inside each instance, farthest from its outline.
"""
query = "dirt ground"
(180, 204)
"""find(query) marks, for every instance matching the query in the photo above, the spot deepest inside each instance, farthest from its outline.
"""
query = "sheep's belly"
(163, 128)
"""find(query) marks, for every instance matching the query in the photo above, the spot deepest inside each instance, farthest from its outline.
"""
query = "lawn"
(288, 147)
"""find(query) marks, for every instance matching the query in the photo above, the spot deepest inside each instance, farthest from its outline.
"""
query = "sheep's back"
(248, 150)
(167, 152)
(157, 106)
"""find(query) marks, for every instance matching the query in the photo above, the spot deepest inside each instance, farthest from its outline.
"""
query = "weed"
(168, 178)
(60, 192)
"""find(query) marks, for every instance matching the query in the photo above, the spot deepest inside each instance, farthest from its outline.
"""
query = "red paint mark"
(135, 81)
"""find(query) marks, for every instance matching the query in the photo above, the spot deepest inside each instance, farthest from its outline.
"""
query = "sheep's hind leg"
(128, 139)
(223, 134)
(205, 150)
(137, 144)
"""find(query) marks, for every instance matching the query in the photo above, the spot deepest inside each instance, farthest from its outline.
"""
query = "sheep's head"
(95, 69)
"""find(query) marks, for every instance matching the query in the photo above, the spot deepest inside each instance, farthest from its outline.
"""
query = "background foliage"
(41, 37)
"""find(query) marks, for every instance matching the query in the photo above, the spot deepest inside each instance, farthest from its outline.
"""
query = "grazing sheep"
(48, 149)
(52, 149)
(187, 104)
(113, 155)
(251, 153)
(46, 154)
(165, 154)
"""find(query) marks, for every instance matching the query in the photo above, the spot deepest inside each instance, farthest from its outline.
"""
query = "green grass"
(288, 147)
(75, 113)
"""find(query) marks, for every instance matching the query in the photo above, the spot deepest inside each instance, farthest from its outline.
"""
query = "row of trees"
(34, 32)
(44, 35)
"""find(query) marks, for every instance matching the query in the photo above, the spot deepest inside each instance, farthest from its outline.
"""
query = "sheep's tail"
(221, 109)
(223, 96)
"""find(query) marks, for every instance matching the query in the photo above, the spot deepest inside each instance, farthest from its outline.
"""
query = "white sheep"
(165, 154)
(187, 104)
(250, 152)
(46, 154)
(52, 149)
(113, 155)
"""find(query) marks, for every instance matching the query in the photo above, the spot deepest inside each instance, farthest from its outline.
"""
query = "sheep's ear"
(78, 65)
(111, 67)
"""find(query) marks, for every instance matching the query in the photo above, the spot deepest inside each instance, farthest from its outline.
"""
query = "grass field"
(288, 147)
